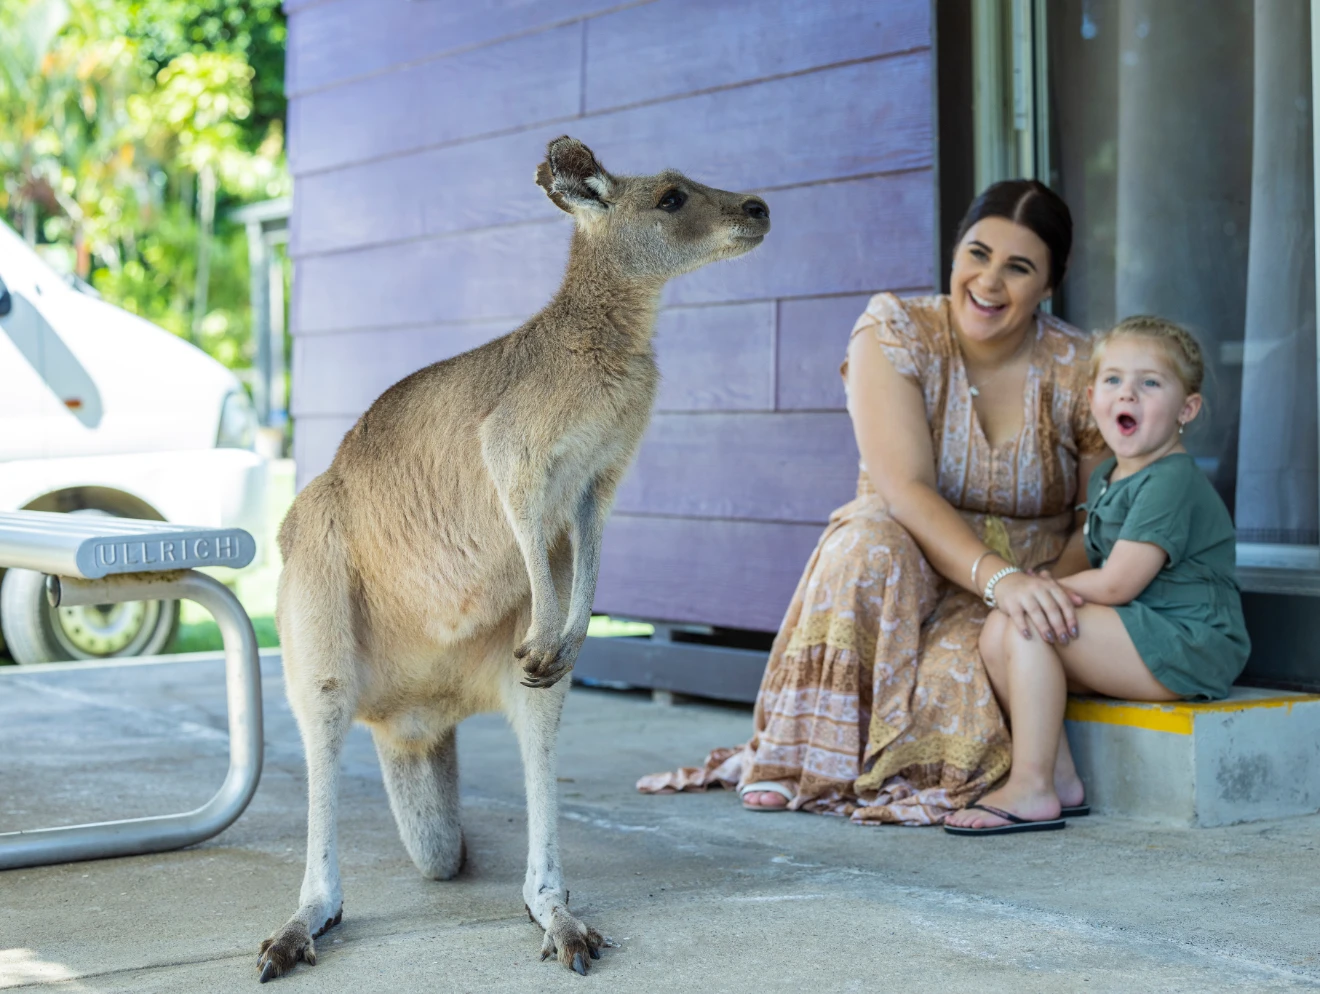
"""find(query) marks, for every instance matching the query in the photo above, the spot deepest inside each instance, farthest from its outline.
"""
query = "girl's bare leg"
(1033, 681)
(1067, 784)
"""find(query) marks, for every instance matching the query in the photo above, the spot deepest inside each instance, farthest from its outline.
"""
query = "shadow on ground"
(699, 894)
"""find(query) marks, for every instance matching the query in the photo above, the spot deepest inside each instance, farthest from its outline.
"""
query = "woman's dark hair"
(1033, 205)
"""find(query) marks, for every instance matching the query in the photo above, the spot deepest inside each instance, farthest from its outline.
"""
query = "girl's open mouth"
(984, 306)
(1127, 424)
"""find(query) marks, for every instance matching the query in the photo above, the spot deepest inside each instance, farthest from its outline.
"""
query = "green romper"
(1187, 624)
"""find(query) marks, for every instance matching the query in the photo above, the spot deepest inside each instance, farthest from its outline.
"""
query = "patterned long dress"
(875, 703)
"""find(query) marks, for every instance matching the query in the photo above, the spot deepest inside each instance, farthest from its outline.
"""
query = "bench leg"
(243, 685)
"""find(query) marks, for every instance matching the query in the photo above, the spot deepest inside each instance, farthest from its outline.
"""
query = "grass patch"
(603, 626)
(204, 636)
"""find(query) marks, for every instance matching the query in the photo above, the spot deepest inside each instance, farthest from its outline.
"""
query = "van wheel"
(37, 633)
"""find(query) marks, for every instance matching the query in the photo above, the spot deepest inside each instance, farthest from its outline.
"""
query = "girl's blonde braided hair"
(1179, 344)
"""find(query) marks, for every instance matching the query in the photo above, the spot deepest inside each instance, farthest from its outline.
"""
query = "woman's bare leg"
(1067, 784)
(1102, 660)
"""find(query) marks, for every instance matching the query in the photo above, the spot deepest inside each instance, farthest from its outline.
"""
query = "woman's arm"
(889, 420)
(1126, 573)
(1072, 560)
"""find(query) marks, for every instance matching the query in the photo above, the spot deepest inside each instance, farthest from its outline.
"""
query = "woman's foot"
(1032, 804)
(766, 795)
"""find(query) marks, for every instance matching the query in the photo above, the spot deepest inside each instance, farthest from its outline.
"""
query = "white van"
(104, 412)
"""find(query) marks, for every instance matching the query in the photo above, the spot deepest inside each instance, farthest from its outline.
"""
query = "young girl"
(1159, 615)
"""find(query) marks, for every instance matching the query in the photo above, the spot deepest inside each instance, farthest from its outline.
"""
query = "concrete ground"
(699, 894)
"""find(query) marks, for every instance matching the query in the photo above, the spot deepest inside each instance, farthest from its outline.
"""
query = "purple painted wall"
(415, 127)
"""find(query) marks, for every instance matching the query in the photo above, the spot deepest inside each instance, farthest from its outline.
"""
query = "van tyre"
(34, 632)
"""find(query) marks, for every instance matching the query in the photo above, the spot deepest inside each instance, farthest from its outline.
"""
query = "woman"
(971, 418)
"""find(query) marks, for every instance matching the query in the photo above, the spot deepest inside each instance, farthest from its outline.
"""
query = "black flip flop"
(1076, 811)
(1015, 824)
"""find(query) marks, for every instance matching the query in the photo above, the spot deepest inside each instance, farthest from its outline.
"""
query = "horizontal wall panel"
(830, 239)
(315, 441)
(507, 85)
(813, 340)
(343, 39)
(343, 373)
(658, 50)
(740, 574)
(773, 467)
(834, 238)
(440, 191)
(706, 355)
(717, 358)
(482, 275)
(803, 129)
(788, 132)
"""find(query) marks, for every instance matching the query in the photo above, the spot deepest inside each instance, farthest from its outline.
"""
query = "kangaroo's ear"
(573, 179)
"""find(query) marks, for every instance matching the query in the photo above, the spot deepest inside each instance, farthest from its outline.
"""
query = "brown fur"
(445, 563)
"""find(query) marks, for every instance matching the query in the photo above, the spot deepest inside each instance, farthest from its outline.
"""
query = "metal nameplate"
(98, 557)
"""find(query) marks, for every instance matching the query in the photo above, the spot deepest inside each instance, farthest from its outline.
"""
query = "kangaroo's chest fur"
(427, 524)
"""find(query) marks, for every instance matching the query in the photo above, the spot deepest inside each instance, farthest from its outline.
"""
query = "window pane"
(1183, 145)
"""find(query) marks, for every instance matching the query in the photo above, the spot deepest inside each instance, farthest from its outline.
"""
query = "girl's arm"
(1126, 573)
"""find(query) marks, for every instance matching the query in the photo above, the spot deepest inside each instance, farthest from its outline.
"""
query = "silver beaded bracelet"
(979, 560)
(989, 595)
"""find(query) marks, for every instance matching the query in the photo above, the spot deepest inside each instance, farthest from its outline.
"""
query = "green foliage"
(110, 111)
(252, 30)
(204, 636)
(157, 283)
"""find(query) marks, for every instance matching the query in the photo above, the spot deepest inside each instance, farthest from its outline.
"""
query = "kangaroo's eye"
(672, 201)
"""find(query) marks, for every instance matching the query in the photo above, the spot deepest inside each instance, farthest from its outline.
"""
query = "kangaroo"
(446, 562)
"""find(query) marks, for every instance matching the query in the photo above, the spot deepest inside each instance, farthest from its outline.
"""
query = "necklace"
(973, 389)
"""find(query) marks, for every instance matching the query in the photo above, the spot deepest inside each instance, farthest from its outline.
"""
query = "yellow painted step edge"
(1174, 718)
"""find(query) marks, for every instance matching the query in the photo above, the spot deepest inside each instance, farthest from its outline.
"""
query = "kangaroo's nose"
(754, 207)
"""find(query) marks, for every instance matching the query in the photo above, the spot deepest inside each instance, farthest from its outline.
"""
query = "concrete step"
(1253, 756)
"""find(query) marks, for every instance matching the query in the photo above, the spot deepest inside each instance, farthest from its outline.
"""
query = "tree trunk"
(205, 225)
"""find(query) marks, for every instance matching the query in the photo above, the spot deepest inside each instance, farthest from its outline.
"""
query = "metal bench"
(101, 560)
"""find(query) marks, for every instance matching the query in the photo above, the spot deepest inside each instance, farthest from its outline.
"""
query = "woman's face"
(1001, 273)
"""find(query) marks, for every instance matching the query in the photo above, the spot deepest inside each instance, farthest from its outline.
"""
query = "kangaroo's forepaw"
(293, 943)
(574, 943)
(545, 660)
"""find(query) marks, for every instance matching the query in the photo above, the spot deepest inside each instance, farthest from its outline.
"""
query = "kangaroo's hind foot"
(571, 941)
(291, 945)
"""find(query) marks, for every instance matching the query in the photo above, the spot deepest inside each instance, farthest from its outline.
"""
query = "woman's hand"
(1077, 598)
(1037, 600)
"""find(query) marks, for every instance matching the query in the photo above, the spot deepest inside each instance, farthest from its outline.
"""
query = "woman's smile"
(985, 305)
